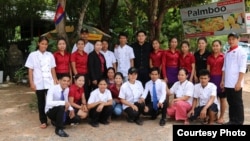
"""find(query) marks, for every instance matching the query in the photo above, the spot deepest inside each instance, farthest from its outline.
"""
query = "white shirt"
(123, 56)
(53, 97)
(41, 63)
(160, 90)
(89, 47)
(235, 62)
(97, 96)
(131, 92)
(204, 94)
(109, 57)
(183, 89)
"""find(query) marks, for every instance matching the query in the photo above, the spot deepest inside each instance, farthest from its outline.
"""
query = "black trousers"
(134, 115)
(100, 116)
(56, 114)
(154, 112)
(236, 108)
(41, 96)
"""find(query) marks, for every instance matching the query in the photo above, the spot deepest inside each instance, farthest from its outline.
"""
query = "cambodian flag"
(59, 14)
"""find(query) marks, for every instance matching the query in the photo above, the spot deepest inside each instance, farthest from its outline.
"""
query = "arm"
(192, 72)
(32, 84)
(131, 62)
(53, 71)
(238, 84)
(150, 63)
(49, 99)
(73, 64)
(222, 83)
(114, 66)
(72, 103)
(203, 113)
(125, 102)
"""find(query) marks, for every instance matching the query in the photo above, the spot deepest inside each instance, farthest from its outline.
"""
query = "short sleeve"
(30, 61)
(190, 90)
(196, 91)
(122, 92)
(52, 62)
(73, 57)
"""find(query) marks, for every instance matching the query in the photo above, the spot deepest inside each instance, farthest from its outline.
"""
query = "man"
(232, 79)
(109, 55)
(130, 93)
(142, 51)
(205, 93)
(124, 55)
(57, 105)
(88, 47)
(157, 89)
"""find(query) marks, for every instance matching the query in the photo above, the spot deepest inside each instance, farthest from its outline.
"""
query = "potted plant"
(21, 75)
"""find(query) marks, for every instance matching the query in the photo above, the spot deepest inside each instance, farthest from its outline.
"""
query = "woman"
(214, 64)
(182, 103)
(187, 60)
(96, 65)
(100, 104)
(79, 64)
(62, 58)
(201, 57)
(110, 76)
(41, 69)
(156, 55)
(77, 98)
(170, 63)
(115, 89)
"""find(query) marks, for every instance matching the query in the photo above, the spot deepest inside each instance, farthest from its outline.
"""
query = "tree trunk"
(152, 16)
(82, 15)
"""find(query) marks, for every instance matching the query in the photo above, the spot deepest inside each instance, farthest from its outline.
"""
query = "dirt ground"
(19, 121)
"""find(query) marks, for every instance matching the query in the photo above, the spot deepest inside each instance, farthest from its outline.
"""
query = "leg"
(182, 108)
(238, 108)
(118, 109)
(105, 114)
(94, 116)
(212, 113)
(223, 106)
(56, 114)
(131, 114)
(41, 94)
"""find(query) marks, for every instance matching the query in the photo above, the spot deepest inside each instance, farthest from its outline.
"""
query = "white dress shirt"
(89, 47)
(185, 88)
(96, 96)
(123, 56)
(109, 57)
(131, 92)
(204, 94)
(235, 62)
(160, 90)
(41, 63)
(53, 97)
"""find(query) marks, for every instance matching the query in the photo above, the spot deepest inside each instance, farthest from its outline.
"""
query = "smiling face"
(154, 75)
(102, 85)
(141, 37)
(182, 76)
(216, 47)
(80, 81)
(61, 45)
(156, 45)
(184, 48)
(64, 82)
(173, 43)
(111, 74)
(80, 45)
(118, 80)
(232, 41)
(43, 45)
(204, 79)
(202, 44)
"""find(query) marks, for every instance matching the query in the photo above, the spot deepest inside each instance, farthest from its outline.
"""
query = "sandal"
(220, 121)
(43, 125)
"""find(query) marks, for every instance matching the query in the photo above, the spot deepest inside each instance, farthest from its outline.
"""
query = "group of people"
(93, 81)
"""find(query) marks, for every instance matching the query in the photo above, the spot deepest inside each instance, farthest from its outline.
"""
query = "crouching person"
(157, 89)
(205, 92)
(100, 104)
(57, 106)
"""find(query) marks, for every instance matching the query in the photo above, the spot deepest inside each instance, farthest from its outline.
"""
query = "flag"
(59, 14)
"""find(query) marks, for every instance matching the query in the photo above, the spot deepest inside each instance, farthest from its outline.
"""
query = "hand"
(84, 108)
(237, 86)
(33, 87)
(56, 81)
(141, 100)
(160, 105)
(203, 113)
(134, 107)
(190, 113)
(166, 79)
(94, 82)
(99, 108)
(196, 79)
(67, 106)
(71, 114)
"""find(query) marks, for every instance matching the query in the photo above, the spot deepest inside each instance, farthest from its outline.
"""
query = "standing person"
(57, 105)
(206, 98)
(77, 98)
(124, 55)
(130, 95)
(142, 50)
(62, 58)
(79, 64)
(88, 47)
(233, 71)
(157, 89)
(115, 89)
(110, 76)
(214, 64)
(155, 57)
(100, 104)
(170, 63)
(182, 101)
(41, 69)
(96, 65)
(109, 55)
(187, 60)
(201, 57)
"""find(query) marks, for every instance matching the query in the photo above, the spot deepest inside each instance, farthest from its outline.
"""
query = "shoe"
(129, 120)
(139, 122)
(104, 122)
(61, 133)
(94, 124)
(162, 122)
(153, 117)
(53, 123)
(229, 123)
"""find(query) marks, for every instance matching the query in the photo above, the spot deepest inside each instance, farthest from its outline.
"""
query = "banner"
(218, 18)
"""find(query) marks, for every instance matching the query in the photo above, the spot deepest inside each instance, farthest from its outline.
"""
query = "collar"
(232, 48)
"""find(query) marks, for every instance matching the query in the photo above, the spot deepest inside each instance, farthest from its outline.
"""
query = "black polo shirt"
(201, 61)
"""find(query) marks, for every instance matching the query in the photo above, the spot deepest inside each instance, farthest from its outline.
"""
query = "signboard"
(248, 22)
(218, 18)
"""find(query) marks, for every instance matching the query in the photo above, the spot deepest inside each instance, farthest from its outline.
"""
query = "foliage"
(21, 73)
(51, 46)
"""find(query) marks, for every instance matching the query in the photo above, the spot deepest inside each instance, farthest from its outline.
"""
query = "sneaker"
(139, 122)
(162, 122)
(104, 122)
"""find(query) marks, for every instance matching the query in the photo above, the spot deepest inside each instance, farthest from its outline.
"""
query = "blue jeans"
(117, 108)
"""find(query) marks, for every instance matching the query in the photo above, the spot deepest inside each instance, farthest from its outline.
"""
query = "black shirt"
(201, 60)
(141, 53)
